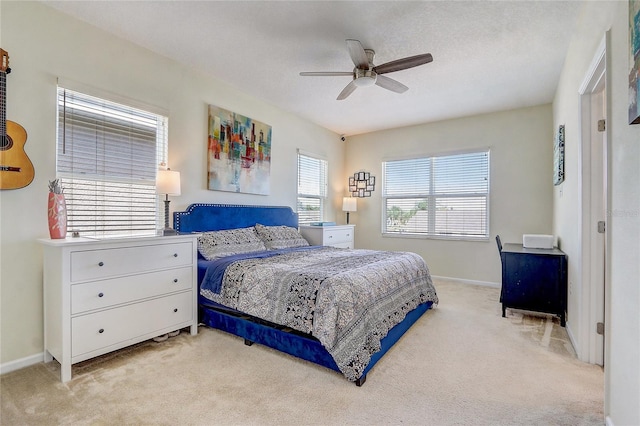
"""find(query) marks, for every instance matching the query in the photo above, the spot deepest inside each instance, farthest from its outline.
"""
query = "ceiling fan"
(366, 74)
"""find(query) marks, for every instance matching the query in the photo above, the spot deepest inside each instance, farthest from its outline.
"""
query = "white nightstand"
(103, 295)
(341, 236)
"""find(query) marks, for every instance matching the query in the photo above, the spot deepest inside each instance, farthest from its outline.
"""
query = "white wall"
(622, 355)
(43, 45)
(521, 161)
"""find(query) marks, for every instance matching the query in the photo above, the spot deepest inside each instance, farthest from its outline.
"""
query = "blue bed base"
(212, 217)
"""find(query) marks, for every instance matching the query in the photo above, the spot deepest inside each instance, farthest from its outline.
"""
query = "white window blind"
(312, 188)
(442, 196)
(107, 158)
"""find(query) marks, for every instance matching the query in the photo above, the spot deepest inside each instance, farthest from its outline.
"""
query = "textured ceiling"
(488, 56)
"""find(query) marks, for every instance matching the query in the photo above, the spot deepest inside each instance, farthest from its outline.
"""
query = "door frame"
(594, 305)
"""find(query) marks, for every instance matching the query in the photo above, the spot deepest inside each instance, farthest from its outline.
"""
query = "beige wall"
(521, 147)
(622, 355)
(44, 45)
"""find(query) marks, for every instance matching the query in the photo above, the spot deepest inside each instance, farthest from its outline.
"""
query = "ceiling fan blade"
(347, 90)
(391, 84)
(326, 73)
(358, 55)
(404, 63)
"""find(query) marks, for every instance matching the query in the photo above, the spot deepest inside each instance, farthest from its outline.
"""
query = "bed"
(339, 308)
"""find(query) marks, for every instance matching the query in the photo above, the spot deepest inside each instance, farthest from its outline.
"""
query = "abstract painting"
(634, 61)
(238, 152)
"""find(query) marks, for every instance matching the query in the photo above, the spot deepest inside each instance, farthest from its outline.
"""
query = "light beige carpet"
(460, 364)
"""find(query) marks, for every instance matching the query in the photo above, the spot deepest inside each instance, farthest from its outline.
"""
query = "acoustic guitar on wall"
(16, 170)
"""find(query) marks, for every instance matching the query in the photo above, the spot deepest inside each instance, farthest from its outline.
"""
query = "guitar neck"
(3, 104)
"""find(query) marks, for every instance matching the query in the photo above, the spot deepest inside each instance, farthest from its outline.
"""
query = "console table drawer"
(105, 263)
(102, 294)
(106, 328)
(534, 280)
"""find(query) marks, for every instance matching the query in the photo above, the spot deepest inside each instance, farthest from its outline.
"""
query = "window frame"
(321, 198)
(432, 195)
(97, 226)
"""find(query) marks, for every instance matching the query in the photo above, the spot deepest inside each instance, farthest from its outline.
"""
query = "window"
(312, 188)
(107, 158)
(441, 196)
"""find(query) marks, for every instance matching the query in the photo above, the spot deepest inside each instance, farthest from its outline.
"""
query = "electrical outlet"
(570, 287)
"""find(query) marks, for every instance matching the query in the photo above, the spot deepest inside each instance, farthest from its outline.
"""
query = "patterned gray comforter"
(347, 299)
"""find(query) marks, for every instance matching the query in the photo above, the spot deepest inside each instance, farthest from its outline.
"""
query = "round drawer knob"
(101, 331)
(175, 280)
(175, 254)
(100, 294)
(100, 263)
(175, 310)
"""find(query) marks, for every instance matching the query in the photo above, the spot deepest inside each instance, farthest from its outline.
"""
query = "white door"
(598, 222)
(593, 93)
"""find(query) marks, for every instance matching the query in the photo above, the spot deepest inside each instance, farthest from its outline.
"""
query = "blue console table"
(534, 280)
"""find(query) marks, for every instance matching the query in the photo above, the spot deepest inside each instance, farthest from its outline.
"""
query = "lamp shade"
(349, 204)
(168, 182)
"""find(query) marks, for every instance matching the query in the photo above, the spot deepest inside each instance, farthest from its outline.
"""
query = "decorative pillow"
(214, 244)
(279, 237)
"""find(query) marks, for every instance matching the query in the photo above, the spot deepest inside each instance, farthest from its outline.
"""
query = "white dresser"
(341, 236)
(103, 295)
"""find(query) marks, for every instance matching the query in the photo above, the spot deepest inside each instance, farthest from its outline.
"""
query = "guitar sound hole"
(6, 143)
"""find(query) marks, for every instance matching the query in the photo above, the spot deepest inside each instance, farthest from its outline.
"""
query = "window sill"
(435, 237)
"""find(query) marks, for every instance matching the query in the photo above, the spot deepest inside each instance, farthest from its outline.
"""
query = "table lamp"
(349, 204)
(167, 183)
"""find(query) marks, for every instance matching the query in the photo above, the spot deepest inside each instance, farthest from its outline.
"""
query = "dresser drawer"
(336, 236)
(106, 328)
(105, 263)
(104, 293)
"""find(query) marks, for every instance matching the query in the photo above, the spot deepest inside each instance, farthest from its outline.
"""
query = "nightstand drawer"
(342, 245)
(105, 293)
(105, 263)
(337, 236)
(341, 236)
(106, 328)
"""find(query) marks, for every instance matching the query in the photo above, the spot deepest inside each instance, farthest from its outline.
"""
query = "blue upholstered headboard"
(215, 217)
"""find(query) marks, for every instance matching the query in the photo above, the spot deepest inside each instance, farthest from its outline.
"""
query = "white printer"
(538, 241)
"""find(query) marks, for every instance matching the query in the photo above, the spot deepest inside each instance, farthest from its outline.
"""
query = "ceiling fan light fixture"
(365, 81)
(364, 78)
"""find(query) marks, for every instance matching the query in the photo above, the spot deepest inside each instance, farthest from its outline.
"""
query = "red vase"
(57, 212)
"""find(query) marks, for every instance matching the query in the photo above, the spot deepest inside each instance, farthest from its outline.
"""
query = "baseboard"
(572, 339)
(472, 282)
(10, 366)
